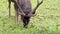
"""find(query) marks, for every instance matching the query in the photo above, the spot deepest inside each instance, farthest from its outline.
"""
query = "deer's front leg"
(16, 14)
(9, 6)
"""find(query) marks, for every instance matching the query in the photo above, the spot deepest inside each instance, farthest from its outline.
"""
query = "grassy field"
(46, 21)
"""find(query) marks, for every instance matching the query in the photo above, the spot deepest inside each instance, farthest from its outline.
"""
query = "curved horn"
(38, 4)
(21, 13)
(34, 10)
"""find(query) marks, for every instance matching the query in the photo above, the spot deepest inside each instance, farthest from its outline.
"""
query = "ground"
(46, 21)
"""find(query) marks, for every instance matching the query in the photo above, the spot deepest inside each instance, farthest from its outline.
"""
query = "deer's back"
(25, 5)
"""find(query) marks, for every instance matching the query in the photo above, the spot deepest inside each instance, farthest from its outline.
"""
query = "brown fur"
(23, 8)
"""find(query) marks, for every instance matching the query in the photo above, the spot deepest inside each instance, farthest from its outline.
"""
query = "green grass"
(46, 21)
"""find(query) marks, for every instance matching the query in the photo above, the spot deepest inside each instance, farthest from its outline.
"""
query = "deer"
(23, 8)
